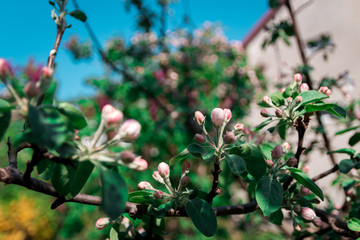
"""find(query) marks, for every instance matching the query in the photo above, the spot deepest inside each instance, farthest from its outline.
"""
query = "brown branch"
(36, 157)
(308, 77)
(326, 173)
(11, 154)
(215, 189)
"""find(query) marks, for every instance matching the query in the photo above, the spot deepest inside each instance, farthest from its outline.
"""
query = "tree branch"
(324, 174)
(215, 189)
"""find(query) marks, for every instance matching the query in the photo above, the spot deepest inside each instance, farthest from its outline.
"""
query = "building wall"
(340, 19)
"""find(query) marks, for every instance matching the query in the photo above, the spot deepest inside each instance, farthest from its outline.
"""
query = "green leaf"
(178, 158)
(354, 224)
(319, 107)
(114, 234)
(276, 217)
(114, 193)
(274, 3)
(290, 91)
(347, 130)
(337, 111)
(269, 195)
(5, 106)
(262, 125)
(81, 175)
(142, 197)
(61, 178)
(346, 165)
(196, 149)
(253, 157)
(47, 128)
(75, 116)
(348, 151)
(277, 99)
(304, 180)
(236, 164)
(354, 139)
(282, 128)
(45, 168)
(348, 183)
(78, 15)
(208, 155)
(311, 96)
(5, 120)
(202, 215)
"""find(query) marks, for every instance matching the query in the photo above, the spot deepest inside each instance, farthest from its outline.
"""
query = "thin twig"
(326, 173)
(215, 189)
(11, 154)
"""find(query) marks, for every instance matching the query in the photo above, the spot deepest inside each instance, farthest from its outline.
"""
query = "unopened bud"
(286, 146)
(289, 99)
(239, 127)
(306, 168)
(297, 209)
(31, 90)
(228, 114)
(283, 90)
(199, 117)
(325, 90)
(304, 87)
(277, 152)
(229, 137)
(47, 72)
(317, 222)
(111, 116)
(164, 170)
(102, 223)
(308, 213)
(298, 99)
(328, 92)
(267, 100)
(157, 177)
(217, 117)
(304, 191)
(264, 113)
(279, 113)
(269, 163)
(141, 164)
(292, 162)
(199, 138)
(5, 69)
(130, 130)
(185, 167)
(297, 78)
(145, 185)
(185, 181)
(127, 156)
(159, 194)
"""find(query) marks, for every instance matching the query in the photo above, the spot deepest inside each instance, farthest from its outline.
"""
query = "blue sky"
(27, 30)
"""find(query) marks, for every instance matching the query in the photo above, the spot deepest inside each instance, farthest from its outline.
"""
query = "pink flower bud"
(159, 194)
(111, 116)
(31, 90)
(145, 185)
(269, 163)
(141, 164)
(264, 113)
(199, 138)
(47, 72)
(325, 90)
(157, 177)
(185, 167)
(289, 99)
(199, 117)
(102, 223)
(286, 146)
(304, 191)
(317, 222)
(297, 78)
(127, 156)
(185, 181)
(306, 168)
(279, 113)
(292, 162)
(228, 114)
(308, 213)
(239, 127)
(283, 90)
(304, 87)
(277, 152)
(229, 137)
(164, 170)
(298, 98)
(217, 117)
(267, 100)
(130, 130)
(5, 69)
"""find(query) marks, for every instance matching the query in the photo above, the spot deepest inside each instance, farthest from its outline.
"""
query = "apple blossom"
(130, 130)
(217, 117)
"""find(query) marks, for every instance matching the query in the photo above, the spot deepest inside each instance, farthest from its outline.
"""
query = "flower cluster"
(179, 194)
(111, 132)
